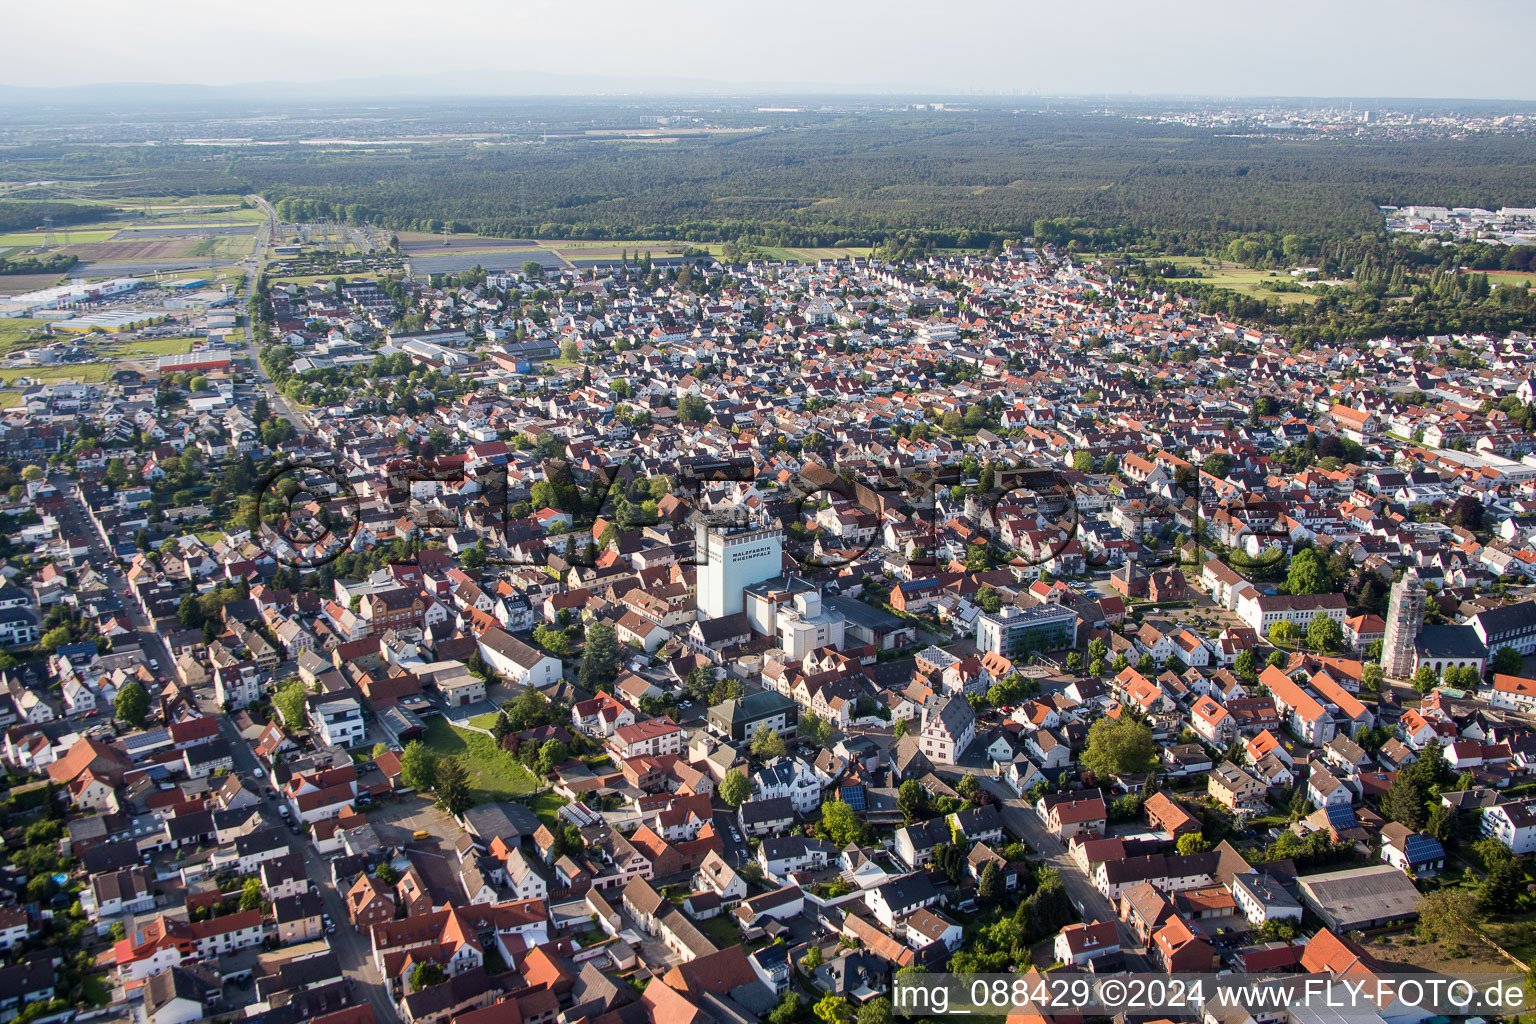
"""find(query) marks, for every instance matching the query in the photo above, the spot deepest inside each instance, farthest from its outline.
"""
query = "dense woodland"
(949, 179)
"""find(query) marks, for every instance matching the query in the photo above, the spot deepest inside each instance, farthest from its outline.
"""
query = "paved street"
(352, 950)
(279, 404)
(1022, 820)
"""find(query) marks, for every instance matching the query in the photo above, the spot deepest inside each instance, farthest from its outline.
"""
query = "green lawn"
(138, 348)
(484, 721)
(547, 806)
(494, 774)
(15, 334)
(722, 931)
(90, 373)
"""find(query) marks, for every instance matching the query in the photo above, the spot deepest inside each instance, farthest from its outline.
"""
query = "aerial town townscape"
(530, 619)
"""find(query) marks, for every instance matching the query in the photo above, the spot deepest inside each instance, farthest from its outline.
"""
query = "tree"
(1404, 801)
(600, 656)
(132, 703)
(33, 473)
(788, 1011)
(1308, 573)
(990, 886)
(1507, 661)
(533, 269)
(452, 783)
(735, 788)
(767, 743)
(1119, 746)
(418, 766)
(832, 1009)
(912, 801)
(1323, 633)
(876, 1011)
(1448, 915)
(1192, 843)
(1245, 665)
(502, 725)
(1283, 633)
(816, 730)
(841, 824)
(1082, 461)
(692, 409)
(387, 874)
(812, 958)
(198, 383)
(1500, 891)
(1371, 678)
(251, 894)
(900, 728)
(553, 752)
(1074, 662)
(290, 702)
(425, 975)
(1424, 679)
(1465, 512)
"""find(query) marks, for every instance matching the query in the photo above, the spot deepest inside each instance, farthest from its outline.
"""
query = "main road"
(264, 237)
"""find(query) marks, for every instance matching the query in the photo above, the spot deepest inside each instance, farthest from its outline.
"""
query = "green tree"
(912, 801)
(766, 742)
(812, 958)
(1404, 801)
(132, 703)
(1371, 678)
(1308, 573)
(1507, 661)
(735, 788)
(878, 1010)
(250, 894)
(990, 885)
(900, 728)
(1501, 889)
(290, 701)
(600, 656)
(552, 753)
(1082, 461)
(1424, 679)
(425, 975)
(1283, 633)
(789, 1010)
(832, 1009)
(1245, 665)
(1119, 746)
(1074, 662)
(418, 766)
(1192, 843)
(452, 784)
(1323, 633)
(1449, 916)
(841, 823)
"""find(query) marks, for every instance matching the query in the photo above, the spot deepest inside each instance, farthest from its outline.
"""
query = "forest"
(895, 179)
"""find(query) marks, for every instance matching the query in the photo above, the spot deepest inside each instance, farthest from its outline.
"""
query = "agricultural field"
(73, 236)
(20, 284)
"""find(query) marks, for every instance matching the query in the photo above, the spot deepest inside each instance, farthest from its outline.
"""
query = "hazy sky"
(1209, 47)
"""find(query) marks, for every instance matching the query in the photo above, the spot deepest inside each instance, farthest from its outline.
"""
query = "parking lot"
(413, 813)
